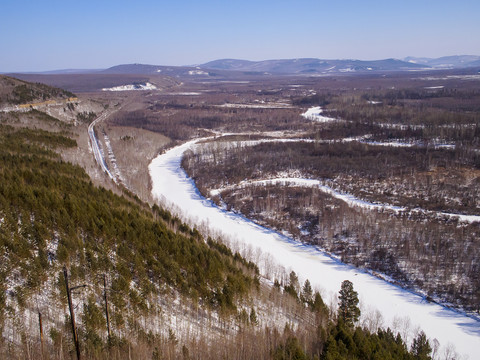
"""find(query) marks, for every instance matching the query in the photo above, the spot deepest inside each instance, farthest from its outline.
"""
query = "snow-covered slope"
(398, 307)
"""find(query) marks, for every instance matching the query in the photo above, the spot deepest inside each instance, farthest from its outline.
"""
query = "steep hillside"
(52, 216)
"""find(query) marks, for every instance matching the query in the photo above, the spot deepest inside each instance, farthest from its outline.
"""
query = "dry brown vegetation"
(429, 253)
(134, 149)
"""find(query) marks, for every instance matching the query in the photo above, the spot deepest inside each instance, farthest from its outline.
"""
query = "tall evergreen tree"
(421, 348)
(348, 309)
(307, 291)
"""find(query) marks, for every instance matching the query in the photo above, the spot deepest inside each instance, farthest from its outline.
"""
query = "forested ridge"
(15, 92)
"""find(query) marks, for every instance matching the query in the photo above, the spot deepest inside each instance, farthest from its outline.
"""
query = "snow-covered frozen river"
(400, 309)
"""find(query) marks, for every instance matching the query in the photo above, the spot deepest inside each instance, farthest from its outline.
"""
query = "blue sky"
(47, 35)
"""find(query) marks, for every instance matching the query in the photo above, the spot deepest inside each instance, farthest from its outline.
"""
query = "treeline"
(86, 117)
(427, 114)
(315, 100)
(393, 96)
(353, 167)
(429, 124)
(181, 121)
(466, 138)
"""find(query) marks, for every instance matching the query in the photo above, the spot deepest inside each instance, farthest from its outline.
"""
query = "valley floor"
(401, 310)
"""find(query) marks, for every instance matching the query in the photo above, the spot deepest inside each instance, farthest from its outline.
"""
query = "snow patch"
(111, 156)
(256, 106)
(191, 93)
(130, 87)
(197, 72)
(315, 114)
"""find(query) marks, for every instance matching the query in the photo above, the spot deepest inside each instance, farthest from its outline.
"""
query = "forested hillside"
(15, 92)
(53, 216)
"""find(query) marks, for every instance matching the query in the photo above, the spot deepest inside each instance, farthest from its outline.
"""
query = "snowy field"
(259, 105)
(401, 310)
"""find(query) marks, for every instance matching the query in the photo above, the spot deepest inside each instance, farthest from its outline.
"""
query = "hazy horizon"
(97, 35)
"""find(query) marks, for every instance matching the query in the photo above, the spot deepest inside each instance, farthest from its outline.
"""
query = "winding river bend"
(397, 306)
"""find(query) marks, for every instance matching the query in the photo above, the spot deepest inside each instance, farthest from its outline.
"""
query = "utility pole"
(106, 303)
(41, 332)
(72, 315)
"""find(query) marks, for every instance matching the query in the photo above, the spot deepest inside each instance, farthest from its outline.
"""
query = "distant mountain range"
(312, 66)
(447, 62)
(305, 66)
(274, 67)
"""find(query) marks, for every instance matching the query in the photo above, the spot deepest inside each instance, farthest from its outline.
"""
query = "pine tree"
(307, 291)
(293, 280)
(253, 317)
(348, 309)
(421, 348)
(292, 287)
